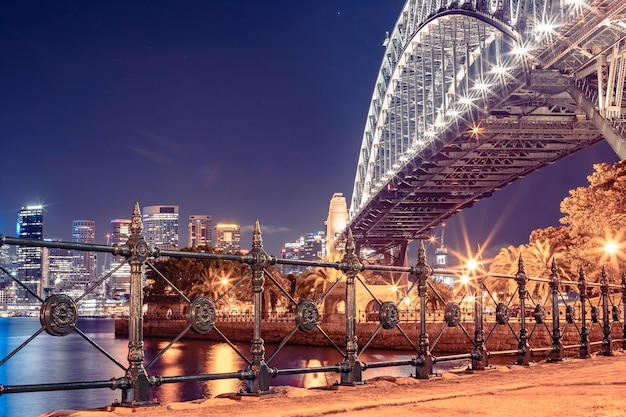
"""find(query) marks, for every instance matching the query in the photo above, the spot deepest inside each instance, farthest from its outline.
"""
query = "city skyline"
(235, 110)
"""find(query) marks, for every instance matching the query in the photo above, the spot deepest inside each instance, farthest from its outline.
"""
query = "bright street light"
(610, 248)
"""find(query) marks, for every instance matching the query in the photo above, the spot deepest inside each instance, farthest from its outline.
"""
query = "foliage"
(537, 258)
(593, 215)
(438, 294)
(192, 276)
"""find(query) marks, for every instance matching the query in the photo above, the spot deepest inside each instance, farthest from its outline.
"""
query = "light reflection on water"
(49, 359)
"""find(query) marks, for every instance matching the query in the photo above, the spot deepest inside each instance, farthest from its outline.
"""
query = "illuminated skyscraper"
(200, 226)
(120, 276)
(309, 248)
(84, 231)
(227, 237)
(336, 224)
(59, 264)
(29, 259)
(160, 226)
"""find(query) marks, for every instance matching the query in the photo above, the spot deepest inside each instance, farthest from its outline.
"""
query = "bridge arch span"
(470, 97)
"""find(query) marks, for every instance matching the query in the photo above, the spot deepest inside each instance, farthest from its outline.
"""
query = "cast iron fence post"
(556, 354)
(624, 309)
(523, 349)
(424, 367)
(606, 326)
(351, 368)
(139, 391)
(261, 382)
(480, 359)
(584, 332)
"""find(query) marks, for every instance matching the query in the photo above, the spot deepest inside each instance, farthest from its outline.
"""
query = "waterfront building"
(200, 230)
(119, 283)
(309, 247)
(441, 262)
(227, 237)
(29, 259)
(5, 261)
(5, 255)
(59, 265)
(160, 226)
(84, 231)
(336, 225)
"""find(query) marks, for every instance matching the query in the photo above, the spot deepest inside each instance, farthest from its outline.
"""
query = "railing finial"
(136, 225)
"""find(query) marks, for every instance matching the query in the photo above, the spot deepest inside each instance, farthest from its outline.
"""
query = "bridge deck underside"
(427, 191)
(527, 119)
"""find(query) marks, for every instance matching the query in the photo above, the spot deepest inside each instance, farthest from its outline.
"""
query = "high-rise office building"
(309, 248)
(5, 261)
(119, 283)
(227, 237)
(59, 264)
(336, 224)
(160, 226)
(29, 258)
(200, 233)
(84, 231)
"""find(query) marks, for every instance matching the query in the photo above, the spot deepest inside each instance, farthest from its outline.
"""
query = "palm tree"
(538, 257)
(313, 283)
(505, 263)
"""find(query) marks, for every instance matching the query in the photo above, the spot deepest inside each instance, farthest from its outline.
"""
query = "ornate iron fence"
(59, 317)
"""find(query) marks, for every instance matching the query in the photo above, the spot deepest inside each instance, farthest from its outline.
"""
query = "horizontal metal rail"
(200, 316)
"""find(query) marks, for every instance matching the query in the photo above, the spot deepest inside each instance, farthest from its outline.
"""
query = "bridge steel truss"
(472, 96)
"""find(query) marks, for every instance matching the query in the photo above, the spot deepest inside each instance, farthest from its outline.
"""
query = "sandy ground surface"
(572, 388)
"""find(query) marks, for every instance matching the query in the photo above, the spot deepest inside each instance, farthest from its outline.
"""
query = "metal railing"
(59, 316)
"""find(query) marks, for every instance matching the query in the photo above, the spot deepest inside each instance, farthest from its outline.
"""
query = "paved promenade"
(572, 388)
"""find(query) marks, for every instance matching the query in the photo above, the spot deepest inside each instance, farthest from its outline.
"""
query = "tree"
(505, 263)
(192, 276)
(595, 215)
(537, 257)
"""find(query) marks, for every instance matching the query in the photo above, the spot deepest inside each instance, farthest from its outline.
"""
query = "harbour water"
(48, 359)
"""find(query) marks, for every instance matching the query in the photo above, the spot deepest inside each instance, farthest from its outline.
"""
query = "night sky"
(241, 110)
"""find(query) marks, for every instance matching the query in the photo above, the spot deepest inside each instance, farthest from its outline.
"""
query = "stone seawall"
(450, 339)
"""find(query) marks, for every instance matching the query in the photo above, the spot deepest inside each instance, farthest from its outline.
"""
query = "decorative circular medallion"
(58, 315)
(388, 315)
(595, 314)
(453, 315)
(539, 314)
(616, 312)
(502, 314)
(142, 250)
(570, 314)
(201, 315)
(307, 316)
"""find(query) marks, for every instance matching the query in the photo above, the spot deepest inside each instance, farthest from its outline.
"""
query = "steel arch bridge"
(473, 95)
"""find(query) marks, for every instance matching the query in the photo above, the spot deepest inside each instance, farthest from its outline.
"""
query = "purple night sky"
(238, 110)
